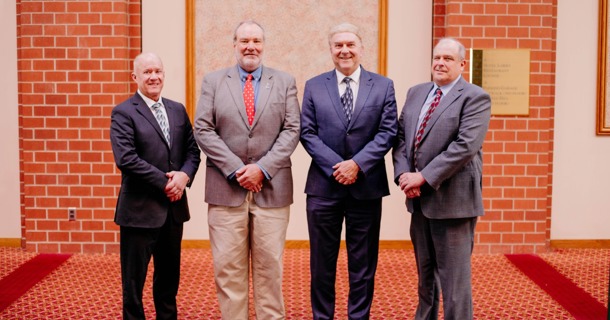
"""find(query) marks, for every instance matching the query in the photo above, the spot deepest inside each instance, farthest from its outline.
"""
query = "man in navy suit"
(154, 147)
(438, 165)
(347, 126)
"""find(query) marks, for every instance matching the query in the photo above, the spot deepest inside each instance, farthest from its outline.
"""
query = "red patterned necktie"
(249, 99)
(424, 123)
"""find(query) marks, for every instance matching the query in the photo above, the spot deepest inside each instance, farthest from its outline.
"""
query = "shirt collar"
(446, 88)
(256, 74)
(355, 76)
(149, 102)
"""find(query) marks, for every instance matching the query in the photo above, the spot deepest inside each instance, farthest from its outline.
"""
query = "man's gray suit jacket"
(450, 155)
(229, 142)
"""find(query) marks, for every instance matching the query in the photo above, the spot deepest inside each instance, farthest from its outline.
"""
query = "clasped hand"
(410, 183)
(176, 183)
(250, 177)
(346, 172)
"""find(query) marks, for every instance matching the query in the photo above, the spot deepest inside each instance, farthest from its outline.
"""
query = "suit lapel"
(333, 93)
(264, 91)
(413, 117)
(234, 85)
(145, 111)
(453, 95)
(364, 89)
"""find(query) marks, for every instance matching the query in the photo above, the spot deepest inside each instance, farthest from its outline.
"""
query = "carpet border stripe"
(18, 282)
(571, 297)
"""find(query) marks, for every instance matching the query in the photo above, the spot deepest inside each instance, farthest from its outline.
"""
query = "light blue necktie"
(162, 120)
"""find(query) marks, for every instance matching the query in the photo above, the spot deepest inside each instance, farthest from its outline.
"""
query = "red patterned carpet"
(88, 286)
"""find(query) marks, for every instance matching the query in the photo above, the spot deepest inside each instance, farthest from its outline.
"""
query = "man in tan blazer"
(247, 124)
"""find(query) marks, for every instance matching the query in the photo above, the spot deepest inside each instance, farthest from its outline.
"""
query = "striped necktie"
(162, 120)
(422, 126)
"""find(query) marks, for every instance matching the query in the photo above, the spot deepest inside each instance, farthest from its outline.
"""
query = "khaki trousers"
(238, 235)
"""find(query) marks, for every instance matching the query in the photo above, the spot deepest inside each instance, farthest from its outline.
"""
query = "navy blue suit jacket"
(143, 156)
(329, 139)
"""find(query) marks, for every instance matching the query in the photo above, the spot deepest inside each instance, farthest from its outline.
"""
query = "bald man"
(153, 145)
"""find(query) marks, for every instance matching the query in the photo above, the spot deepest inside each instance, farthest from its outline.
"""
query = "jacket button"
(250, 135)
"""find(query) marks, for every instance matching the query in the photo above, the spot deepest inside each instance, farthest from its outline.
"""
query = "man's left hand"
(410, 183)
(346, 172)
(174, 189)
(250, 177)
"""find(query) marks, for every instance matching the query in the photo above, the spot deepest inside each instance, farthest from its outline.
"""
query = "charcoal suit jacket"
(144, 157)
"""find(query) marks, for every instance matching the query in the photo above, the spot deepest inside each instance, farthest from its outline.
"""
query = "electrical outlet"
(72, 214)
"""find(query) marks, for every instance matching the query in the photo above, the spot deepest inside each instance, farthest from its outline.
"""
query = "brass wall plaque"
(505, 75)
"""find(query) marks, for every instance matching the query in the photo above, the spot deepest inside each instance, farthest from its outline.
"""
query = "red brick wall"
(518, 152)
(74, 62)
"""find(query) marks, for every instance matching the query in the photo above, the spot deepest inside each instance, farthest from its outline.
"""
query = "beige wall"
(10, 214)
(581, 199)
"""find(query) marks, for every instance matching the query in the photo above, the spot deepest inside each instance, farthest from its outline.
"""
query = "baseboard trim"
(581, 244)
(195, 244)
(303, 244)
(10, 242)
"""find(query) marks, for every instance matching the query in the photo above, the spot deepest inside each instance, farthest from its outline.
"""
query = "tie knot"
(249, 77)
(347, 80)
(156, 106)
(438, 92)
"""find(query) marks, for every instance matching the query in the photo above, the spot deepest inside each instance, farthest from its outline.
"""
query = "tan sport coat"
(229, 142)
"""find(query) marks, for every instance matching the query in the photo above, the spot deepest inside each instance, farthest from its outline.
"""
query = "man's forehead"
(153, 67)
(345, 40)
(255, 37)
(445, 51)
(446, 47)
(344, 36)
(249, 30)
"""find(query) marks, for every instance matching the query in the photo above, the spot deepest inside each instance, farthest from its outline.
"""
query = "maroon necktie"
(424, 123)
(249, 99)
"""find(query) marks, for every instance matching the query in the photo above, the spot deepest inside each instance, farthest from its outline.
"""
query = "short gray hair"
(344, 27)
(247, 22)
(461, 48)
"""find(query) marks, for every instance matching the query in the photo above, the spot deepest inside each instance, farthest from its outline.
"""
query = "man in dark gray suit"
(247, 124)
(348, 124)
(438, 165)
(153, 145)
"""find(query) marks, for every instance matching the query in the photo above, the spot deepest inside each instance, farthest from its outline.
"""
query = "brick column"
(74, 61)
